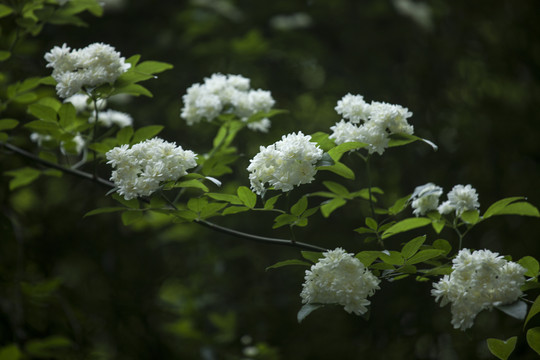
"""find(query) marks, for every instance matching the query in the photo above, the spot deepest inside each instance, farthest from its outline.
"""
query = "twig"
(201, 222)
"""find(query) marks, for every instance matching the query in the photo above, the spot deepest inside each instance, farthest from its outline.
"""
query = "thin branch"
(50, 164)
(201, 222)
(259, 238)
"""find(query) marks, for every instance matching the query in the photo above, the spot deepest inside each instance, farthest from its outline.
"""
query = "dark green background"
(169, 291)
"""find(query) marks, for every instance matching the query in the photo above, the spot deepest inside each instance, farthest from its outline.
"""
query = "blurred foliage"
(74, 287)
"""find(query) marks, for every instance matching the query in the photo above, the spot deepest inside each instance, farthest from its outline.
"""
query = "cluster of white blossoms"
(94, 65)
(339, 278)
(77, 142)
(142, 169)
(110, 117)
(226, 94)
(371, 124)
(461, 198)
(479, 281)
(287, 163)
(425, 198)
(83, 102)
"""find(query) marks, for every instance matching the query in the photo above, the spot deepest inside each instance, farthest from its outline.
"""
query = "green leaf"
(438, 225)
(329, 206)
(22, 177)
(234, 210)
(269, 204)
(197, 204)
(4, 55)
(367, 257)
(10, 352)
(8, 124)
(519, 208)
(391, 257)
(339, 169)
(153, 67)
(424, 255)
(531, 264)
(40, 126)
(399, 205)
(517, 309)
(312, 256)
(3, 136)
(323, 141)
(470, 216)
(145, 133)
(289, 262)
(284, 219)
(48, 347)
(533, 339)
(131, 216)
(43, 112)
(247, 196)
(123, 136)
(67, 114)
(193, 184)
(305, 310)
(336, 188)
(371, 223)
(104, 210)
(132, 89)
(406, 225)
(411, 247)
(442, 244)
(232, 199)
(300, 206)
(212, 209)
(502, 348)
(5, 10)
(535, 309)
(132, 204)
(42, 290)
(337, 152)
(499, 205)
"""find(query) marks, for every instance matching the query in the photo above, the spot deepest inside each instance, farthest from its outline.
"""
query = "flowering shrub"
(154, 176)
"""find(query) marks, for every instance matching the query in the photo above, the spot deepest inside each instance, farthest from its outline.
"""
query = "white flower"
(287, 163)
(460, 199)
(94, 65)
(479, 281)
(353, 108)
(111, 117)
(226, 94)
(370, 123)
(425, 198)
(77, 143)
(40, 138)
(141, 170)
(82, 102)
(339, 278)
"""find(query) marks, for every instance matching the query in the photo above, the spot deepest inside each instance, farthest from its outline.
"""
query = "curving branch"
(207, 224)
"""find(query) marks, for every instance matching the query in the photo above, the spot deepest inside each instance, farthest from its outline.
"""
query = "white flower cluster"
(339, 278)
(83, 102)
(141, 169)
(76, 141)
(287, 163)
(91, 66)
(369, 123)
(479, 281)
(425, 198)
(226, 94)
(110, 117)
(460, 199)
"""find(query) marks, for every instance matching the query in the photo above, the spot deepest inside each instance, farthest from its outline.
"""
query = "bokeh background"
(469, 71)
